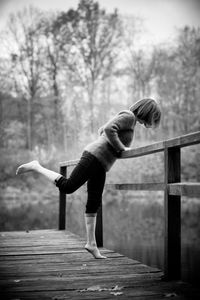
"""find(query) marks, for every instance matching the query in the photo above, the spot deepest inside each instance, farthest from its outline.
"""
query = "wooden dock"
(52, 264)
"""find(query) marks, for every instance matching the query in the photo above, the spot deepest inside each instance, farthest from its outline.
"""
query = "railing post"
(62, 203)
(172, 206)
(99, 227)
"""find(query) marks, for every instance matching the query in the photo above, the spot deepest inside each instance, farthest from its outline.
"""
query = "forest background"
(64, 74)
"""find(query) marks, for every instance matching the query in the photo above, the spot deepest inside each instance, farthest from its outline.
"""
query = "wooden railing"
(173, 190)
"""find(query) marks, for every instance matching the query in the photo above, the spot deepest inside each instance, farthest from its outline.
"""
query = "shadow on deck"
(51, 264)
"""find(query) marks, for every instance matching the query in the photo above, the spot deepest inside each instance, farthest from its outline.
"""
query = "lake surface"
(153, 255)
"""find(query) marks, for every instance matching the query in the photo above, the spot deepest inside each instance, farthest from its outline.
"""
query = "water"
(153, 255)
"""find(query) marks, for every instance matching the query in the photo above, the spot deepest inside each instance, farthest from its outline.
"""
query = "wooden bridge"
(52, 264)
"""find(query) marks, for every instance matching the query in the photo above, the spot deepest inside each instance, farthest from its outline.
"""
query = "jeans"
(88, 169)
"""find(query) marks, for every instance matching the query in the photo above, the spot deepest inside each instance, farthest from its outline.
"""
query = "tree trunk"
(29, 123)
(56, 95)
(91, 106)
(1, 120)
(64, 134)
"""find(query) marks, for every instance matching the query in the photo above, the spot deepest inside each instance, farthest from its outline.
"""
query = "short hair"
(147, 110)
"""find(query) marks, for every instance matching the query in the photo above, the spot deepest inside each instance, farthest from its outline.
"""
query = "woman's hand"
(100, 131)
(120, 152)
(127, 148)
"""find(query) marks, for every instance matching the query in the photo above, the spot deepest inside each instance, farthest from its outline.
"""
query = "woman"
(97, 158)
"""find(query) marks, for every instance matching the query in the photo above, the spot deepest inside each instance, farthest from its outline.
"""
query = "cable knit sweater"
(114, 137)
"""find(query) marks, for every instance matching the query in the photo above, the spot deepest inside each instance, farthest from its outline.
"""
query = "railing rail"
(173, 190)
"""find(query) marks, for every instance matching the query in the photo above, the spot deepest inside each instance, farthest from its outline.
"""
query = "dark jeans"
(88, 169)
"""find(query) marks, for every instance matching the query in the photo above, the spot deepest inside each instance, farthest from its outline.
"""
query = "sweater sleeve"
(124, 120)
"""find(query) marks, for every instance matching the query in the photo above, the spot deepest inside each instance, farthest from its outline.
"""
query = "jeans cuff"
(57, 179)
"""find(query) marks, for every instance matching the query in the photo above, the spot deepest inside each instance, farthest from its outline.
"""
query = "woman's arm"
(124, 120)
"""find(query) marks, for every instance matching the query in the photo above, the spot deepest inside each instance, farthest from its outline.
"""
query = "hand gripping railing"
(173, 190)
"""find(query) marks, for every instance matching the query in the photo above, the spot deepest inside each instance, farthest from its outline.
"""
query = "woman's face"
(145, 124)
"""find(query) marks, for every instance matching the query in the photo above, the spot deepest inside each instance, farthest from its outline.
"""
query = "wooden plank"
(53, 283)
(45, 269)
(172, 211)
(62, 203)
(190, 189)
(154, 291)
(184, 189)
(141, 151)
(70, 275)
(99, 227)
(137, 186)
(69, 163)
(136, 287)
(184, 140)
(41, 235)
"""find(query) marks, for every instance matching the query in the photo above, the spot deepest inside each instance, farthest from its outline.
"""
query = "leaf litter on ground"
(169, 295)
(98, 288)
(116, 293)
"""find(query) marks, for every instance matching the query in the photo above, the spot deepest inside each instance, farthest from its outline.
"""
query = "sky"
(161, 18)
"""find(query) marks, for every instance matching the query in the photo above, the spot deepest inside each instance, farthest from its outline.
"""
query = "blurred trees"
(140, 63)
(187, 58)
(95, 36)
(177, 82)
(25, 61)
(64, 74)
(53, 53)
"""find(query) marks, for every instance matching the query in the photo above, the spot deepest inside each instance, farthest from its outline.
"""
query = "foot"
(94, 251)
(31, 166)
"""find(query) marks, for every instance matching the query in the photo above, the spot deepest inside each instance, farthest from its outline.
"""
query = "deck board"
(51, 264)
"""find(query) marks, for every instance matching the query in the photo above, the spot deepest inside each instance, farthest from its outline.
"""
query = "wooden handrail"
(189, 189)
(181, 141)
(173, 190)
(68, 163)
(137, 186)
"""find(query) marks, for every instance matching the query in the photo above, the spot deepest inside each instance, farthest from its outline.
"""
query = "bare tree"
(187, 59)
(177, 82)
(95, 36)
(138, 64)
(22, 44)
(55, 48)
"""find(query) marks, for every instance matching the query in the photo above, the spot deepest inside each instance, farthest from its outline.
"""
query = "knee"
(65, 186)
(66, 190)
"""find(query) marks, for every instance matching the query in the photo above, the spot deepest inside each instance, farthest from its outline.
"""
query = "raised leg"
(34, 166)
(91, 246)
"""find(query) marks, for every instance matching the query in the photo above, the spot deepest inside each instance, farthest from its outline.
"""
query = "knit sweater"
(115, 135)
